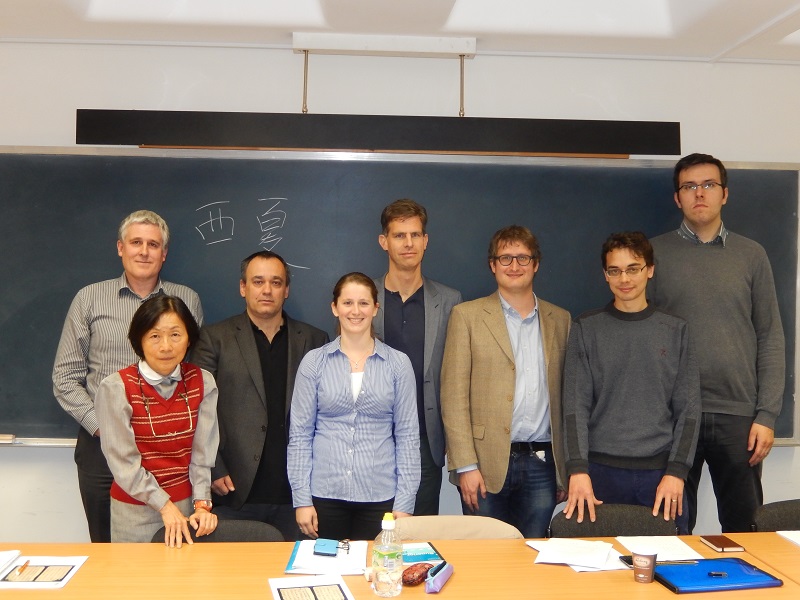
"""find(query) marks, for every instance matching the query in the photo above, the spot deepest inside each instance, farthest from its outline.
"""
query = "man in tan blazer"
(501, 393)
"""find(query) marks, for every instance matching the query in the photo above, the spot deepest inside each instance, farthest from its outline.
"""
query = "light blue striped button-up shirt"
(365, 450)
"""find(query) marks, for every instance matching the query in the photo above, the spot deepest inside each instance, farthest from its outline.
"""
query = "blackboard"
(321, 212)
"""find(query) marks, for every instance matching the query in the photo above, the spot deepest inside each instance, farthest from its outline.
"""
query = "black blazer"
(228, 351)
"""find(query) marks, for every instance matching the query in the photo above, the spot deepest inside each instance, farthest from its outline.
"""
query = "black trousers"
(430, 485)
(343, 520)
(94, 482)
(723, 446)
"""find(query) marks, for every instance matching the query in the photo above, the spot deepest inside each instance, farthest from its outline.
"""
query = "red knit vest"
(167, 458)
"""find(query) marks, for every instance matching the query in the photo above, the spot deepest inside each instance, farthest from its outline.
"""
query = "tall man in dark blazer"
(501, 393)
(254, 357)
(412, 317)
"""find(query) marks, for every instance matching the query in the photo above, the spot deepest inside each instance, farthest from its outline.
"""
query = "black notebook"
(713, 574)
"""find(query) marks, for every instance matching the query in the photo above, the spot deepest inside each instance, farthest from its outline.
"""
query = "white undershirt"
(355, 383)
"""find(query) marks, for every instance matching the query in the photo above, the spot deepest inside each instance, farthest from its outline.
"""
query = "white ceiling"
(766, 31)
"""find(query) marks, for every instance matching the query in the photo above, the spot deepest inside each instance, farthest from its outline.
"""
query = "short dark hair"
(265, 254)
(692, 160)
(511, 234)
(405, 208)
(360, 279)
(151, 310)
(635, 241)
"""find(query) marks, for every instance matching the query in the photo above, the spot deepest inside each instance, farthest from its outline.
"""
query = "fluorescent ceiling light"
(384, 45)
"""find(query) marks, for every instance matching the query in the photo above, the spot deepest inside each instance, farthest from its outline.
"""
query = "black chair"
(778, 516)
(612, 520)
(233, 530)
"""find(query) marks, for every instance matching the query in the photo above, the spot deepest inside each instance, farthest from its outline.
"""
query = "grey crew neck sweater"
(727, 294)
(631, 392)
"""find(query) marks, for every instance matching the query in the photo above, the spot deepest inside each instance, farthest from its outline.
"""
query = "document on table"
(37, 572)
(414, 552)
(792, 536)
(303, 561)
(316, 587)
(665, 547)
(581, 555)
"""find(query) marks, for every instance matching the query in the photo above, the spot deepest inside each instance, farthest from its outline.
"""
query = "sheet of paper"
(612, 563)
(573, 552)
(792, 536)
(316, 587)
(41, 572)
(344, 563)
(666, 547)
(7, 557)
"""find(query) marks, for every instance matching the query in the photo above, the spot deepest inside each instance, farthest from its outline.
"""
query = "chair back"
(454, 527)
(233, 530)
(612, 520)
(778, 516)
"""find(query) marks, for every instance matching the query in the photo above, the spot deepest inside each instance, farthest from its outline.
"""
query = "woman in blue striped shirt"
(354, 437)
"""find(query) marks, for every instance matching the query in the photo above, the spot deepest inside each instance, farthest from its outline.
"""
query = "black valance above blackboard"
(321, 212)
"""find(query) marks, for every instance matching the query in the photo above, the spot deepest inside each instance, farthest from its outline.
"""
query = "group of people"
(261, 417)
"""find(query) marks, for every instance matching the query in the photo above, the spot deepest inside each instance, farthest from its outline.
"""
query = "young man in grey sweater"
(631, 395)
(722, 284)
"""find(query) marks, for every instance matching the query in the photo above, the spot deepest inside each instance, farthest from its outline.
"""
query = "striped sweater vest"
(166, 458)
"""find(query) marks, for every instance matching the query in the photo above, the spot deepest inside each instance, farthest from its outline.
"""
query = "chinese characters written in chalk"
(218, 227)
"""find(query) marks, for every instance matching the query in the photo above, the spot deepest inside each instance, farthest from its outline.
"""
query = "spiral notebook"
(714, 574)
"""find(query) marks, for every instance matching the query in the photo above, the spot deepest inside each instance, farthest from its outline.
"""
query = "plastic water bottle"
(387, 560)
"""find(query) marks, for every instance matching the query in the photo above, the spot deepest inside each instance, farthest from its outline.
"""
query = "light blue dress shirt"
(530, 420)
(365, 450)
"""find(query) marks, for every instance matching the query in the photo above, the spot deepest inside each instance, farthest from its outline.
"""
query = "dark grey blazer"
(228, 351)
(439, 301)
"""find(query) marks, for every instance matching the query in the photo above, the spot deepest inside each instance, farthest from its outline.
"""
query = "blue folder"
(714, 574)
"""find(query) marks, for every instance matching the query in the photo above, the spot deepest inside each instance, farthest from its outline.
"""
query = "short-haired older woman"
(353, 450)
(158, 420)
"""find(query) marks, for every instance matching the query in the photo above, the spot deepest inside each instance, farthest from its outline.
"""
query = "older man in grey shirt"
(94, 344)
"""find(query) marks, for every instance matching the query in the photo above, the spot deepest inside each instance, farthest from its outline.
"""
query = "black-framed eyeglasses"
(183, 395)
(630, 271)
(706, 185)
(344, 545)
(523, 260)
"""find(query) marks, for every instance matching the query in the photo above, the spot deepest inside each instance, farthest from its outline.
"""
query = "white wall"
(739, 112)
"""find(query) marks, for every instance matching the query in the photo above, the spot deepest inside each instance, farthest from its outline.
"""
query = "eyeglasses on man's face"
(523, 260)
(706, 185)
(630, 271)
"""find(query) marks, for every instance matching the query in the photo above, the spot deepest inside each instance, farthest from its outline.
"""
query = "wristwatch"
(202, 505)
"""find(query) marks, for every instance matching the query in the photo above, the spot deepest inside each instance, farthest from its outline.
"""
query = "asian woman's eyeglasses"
(183, 395)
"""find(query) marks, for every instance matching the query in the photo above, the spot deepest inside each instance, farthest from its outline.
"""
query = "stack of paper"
(303, 560)
(581, 555)
(585, 555)
(667, 548)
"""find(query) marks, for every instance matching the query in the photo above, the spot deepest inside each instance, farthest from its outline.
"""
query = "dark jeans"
(737, 485)
(430, 484)
(528, 496)
(343, 520)
(94, 483)
(613, 485)
(280, 516)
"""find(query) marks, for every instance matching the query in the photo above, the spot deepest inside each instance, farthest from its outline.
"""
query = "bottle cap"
(388, 521)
